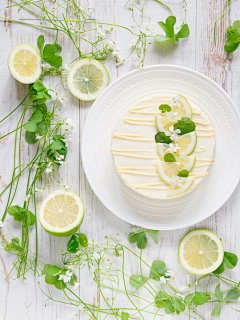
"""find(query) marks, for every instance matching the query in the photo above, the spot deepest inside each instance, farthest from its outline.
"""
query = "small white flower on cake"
(177, 181)
(173, 133)
(173, 148)
(173, 116)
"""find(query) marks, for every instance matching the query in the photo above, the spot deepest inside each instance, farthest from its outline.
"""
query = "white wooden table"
(197, 52)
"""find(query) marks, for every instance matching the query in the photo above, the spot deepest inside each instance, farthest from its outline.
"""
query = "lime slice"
(200, 251)
(87, 79)
(167, 170)
(187, 143)
(175, 191)
(61, 213)
(25, 63)
(163, 123)
(187, 163)
(183, 109)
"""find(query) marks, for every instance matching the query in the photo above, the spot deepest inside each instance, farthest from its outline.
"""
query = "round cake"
(163, 146)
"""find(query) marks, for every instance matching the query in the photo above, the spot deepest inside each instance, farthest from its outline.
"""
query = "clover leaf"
(50, 52)
(140, 238)
(233, 35)
(230, 261)
(168, 28)
(158, 269)
(137, 281)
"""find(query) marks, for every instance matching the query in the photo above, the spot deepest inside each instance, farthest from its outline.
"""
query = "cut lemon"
(167, 170)
(175, 191)
(187, 163)
(161, 149)
(187, 143)
(163, 123)
(200, 251)
(61, 213)
(87, 79)
(25, 63)
(183, 108)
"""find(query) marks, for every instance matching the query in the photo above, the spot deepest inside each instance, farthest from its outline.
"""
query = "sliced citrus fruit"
(25, 63)
(163, 123)
(200, 251)
(87, 79)
(162, 150)
(61, 213)
(167, 170)
(183, 108)
(176, 190)
(187, 143)
(187, 163)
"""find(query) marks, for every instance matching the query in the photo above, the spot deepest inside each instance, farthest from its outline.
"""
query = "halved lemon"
(25, 63)
(187, 163)
(200, 251)
(187, 143)
(163, 123)
(172, 192)
(183, 109)
(167, 170)
(61, 213)
(87, 79)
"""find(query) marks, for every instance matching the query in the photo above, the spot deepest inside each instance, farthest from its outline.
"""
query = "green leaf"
(48, 51)
(153, 234)
(30, 126)
(58, 49)
(83, 240)
(44, 271)
(230, 47)
(160, 137)
(230, 260)
(18, 217)
(158, 269)
(218, 293)
(73, 244)
(201, 298)
(161, 38)
(188, 299)
(183, 173)
(232, 295)
(139, 237)
(178, 305)
(219, 270)
(40, 43)
(57, 145)
(183, 32)
(51, 279)
(15, 242)
(73, 280)
(125, 316)
(39, 86)
(137, 281)
(36, 117)
(30, 137)
(217, 310)
(30, 218)
(42, 107)
(41, 126)
(185, 125)
(168, 26)
(161, 299)
(53, 270)
(169, 308)
(169, 157)
(55, 61)
(60, 285)
(165, 108)
(15, 209)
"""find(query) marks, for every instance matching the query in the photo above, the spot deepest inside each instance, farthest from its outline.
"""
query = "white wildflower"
(101, 33)
(173, 133)
(26, 198)
(28, 304)
(1, 224)
(110, 46)
(67, 187)
(45, 65)
(49, 168)
(169, 274)
(76, 285)
(196, 283)
(177, 181)
(61, 98)
(173, 147)
(188, 280)
(176, 99)
(163, 280)
(66, 67)
(135, 228)
(66, 277)
(59, 156)
(180, 295)
(39, 191)
(172, 116)
(136, 61)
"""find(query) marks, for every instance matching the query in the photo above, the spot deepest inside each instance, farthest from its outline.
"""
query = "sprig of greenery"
(140, 238)
(161, 137)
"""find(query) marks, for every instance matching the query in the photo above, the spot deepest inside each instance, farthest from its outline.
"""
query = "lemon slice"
(187, 163)
(187, 143)
(175, 191)
(61, 213)
(87, 79)
(25, 63)
(163, 123)
(200, 251)
(183, 109)
(161, 149)
(167, 170)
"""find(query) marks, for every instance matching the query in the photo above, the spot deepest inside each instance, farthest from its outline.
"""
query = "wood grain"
(197, 52)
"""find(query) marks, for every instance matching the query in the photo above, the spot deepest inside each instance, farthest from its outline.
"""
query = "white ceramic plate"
(130, 206)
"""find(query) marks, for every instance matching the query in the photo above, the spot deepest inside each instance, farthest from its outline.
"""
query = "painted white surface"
(197, 52)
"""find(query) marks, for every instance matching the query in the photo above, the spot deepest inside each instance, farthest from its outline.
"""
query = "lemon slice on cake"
(167, 170)
(187, 163)
(183, 108)
(163, 123)
(187, 143)
(87, 79)
(61, 213)
(25, 63)
(176, 190)
(200, 251)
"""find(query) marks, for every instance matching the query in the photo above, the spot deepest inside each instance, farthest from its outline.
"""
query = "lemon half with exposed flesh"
(187, 143)
(200, 251)
(25, 63)
(167, 170)
(87, 79)
(61, 213)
